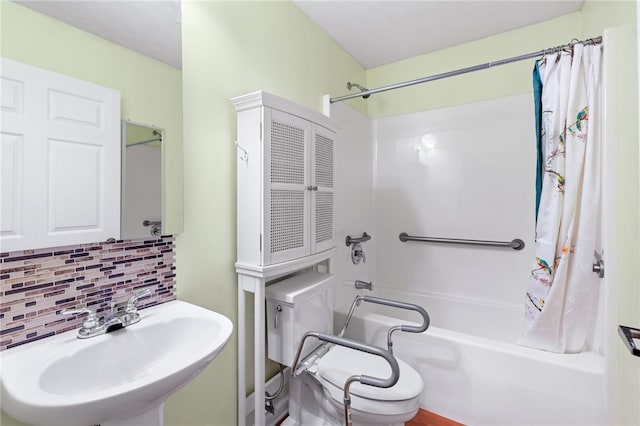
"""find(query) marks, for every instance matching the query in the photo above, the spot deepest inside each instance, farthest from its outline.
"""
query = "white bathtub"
(473, 371)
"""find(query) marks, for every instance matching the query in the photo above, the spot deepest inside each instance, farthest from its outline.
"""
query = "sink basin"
(112, 378)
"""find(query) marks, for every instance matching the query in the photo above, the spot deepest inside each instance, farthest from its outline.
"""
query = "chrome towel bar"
(516, 244)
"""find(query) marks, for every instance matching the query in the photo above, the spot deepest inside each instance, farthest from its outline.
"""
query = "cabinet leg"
(259, 328)
(242, 358)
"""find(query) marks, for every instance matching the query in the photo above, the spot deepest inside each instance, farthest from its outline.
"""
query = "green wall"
(505, 80)
(230, 49)
(151, 90)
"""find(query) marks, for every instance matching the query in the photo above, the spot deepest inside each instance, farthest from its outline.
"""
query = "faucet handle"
(357, 254)
(77, 310)
(91, 321)
(131, 303)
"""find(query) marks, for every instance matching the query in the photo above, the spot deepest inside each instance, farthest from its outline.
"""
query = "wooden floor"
(423, 418)
(426, 418)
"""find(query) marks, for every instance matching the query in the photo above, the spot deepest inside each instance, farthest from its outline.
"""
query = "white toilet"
(303, 303)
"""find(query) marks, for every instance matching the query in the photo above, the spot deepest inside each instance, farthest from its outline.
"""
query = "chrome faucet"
(363, 285)
(122, 314)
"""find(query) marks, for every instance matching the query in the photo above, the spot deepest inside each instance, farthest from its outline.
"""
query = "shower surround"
(465, 172)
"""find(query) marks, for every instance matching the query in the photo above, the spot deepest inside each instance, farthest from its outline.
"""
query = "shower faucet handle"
(357, 254)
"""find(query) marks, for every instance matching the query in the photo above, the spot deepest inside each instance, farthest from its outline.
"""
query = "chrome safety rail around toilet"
(516, 243)
(395, 304)
(362, 378)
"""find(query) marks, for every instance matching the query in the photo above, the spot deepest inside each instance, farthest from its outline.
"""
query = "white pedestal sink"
(116, 379)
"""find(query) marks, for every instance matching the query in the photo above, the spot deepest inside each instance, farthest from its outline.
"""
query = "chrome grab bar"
(349, 241)
(362, 378)
(516, 243)
(395, 304)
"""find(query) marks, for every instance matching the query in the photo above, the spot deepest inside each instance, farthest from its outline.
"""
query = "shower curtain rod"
(590, 41)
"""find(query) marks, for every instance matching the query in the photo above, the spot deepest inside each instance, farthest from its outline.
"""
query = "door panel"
(11, 153)
(287, 156)
(75, 109)
(74, 186)
(322, 205)
(63, 185)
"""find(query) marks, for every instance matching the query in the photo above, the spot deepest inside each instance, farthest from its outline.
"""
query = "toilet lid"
(340, 363)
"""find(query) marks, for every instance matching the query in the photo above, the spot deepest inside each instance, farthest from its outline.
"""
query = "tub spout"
(363, 285)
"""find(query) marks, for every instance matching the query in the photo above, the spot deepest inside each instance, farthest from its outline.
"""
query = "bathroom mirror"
(142, 181)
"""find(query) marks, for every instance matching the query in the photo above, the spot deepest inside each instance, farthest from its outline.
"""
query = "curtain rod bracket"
(351, 85)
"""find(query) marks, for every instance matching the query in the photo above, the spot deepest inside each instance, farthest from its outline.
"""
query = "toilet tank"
(294, 306)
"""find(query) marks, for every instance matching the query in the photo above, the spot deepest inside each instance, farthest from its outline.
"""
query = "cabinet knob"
(312, 188)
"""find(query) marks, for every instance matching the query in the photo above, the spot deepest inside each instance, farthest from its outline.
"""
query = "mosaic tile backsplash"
(35, 285)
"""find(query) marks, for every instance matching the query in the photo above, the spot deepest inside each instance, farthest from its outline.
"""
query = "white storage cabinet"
(285, 190)
(285, 180)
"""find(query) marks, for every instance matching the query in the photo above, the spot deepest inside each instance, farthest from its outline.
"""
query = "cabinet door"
(322, 201)
(287, 187)
(60, 159)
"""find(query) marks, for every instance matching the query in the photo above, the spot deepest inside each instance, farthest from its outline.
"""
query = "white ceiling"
(380, 32)
(373, 32)
(150, 27)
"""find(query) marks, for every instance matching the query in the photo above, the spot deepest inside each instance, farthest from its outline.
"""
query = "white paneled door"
(60, 158)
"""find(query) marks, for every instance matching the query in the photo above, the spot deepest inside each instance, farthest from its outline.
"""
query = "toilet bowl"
(369, 404)
(316, 396)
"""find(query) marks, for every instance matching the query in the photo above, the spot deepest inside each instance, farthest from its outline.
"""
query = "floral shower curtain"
(561, 299)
